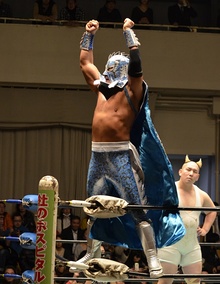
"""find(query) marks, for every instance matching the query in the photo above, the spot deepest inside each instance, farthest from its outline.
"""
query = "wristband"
(131, 39)
(86, 42)
(134, 67)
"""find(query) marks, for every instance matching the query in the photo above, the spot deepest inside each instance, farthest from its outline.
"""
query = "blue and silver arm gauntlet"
(86, 42)
(131, 39)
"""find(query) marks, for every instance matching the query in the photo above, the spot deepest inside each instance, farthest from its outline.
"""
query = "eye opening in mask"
(110, 69)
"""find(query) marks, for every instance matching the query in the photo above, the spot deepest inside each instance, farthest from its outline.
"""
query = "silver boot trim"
(146, 234)
(93, 247)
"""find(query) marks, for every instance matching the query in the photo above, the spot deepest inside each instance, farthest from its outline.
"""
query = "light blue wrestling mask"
(116, 70)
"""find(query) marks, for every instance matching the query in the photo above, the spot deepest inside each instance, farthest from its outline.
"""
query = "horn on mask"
(199, 163)
(187, 160)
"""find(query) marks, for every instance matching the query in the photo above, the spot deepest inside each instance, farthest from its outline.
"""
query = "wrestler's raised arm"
(87, 66)
(135, 73)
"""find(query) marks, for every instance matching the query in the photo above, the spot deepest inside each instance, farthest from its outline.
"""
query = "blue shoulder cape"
(160, 190)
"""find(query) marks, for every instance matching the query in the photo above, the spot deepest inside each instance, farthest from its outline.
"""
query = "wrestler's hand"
(201, 232)
(92, 26)
(128, 24)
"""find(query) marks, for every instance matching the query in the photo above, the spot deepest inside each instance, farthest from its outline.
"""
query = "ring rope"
(87, 266)
(78, 203)
(151, 207)
(85, 241)
(81, 203)
(206, 277)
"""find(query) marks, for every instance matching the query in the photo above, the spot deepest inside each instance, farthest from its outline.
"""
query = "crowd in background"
(15, 260)
(48, 11)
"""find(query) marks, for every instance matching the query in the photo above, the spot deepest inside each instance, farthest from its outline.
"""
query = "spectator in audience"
(84, 222)
(180, 14)
(109, 12)
(64, 219)
(27, 259)
(45, 10)
(4, 251)
(76, 274)
(218, 19)
(81, 248)
(137, 262)
(60, 250)
(28, 219)
(216, 225)
(71, 12)
(107, 250)
(5, 9)
(119, 254)
(136, 257)
(10, 270)
(18, 229)
(61, 270)
(142, 14)
(73, 232)
(211, 263)
(7, 221)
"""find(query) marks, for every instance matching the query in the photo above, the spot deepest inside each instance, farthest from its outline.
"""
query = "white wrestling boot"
(93, 247)
(146, 234)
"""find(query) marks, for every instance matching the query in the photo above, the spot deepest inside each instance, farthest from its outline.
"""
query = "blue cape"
(160, 190)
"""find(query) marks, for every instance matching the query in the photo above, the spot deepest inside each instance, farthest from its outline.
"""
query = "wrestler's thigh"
(169, 255)
(126, 185)
(168, 268)
(169, 258)
(194, 268)
(192, 257)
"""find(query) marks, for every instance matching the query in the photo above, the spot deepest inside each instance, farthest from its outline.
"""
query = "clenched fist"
(92, 26)
(128, 24)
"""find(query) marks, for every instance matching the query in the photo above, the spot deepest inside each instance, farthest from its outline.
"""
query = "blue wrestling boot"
(146, 234)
